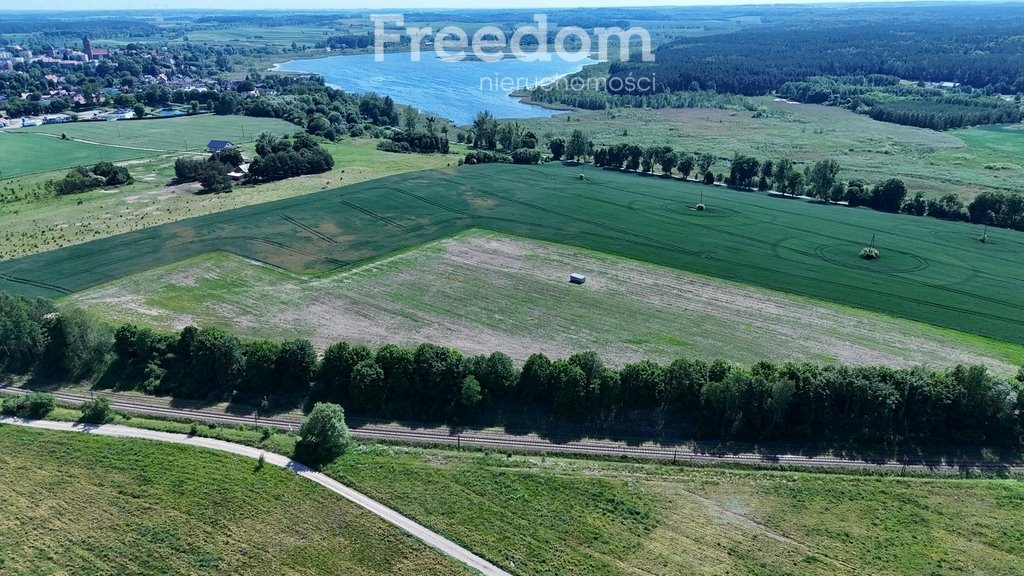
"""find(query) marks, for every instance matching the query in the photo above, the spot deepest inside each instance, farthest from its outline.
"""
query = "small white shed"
(577, 278)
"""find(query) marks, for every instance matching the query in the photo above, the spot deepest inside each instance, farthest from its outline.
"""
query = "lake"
(453, 90)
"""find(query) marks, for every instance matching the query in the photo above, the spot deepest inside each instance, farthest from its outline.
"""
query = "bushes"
(487, 157)
(35, 405)
(97, 411)
(870, 254)
(526, 156)
(85, 179)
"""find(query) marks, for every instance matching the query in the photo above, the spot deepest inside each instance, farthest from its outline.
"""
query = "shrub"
(699, 207)
(36, 405)
(870, 254)
(323, 435)
(97, 411)
(396, 147)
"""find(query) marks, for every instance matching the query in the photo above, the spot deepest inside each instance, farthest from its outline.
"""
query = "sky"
(393, 5)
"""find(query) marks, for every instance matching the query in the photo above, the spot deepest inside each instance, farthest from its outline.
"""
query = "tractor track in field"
(295, 221)
(371, 214)
(367, 429)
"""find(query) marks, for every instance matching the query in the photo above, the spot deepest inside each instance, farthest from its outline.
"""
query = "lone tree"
(323, 435)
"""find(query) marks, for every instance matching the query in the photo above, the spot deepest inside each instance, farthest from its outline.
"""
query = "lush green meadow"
(538, 515)
(76, 504)
(964, 162)
(930, 271)
(480, 291)
(22, 153)
(179, 134)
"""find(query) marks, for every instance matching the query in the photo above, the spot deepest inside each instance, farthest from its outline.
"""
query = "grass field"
(75, 504)
(479, 292)
(178, 134)
(566, 517)
(930, 271)
(33, 220)
(21, 153)
(39, 148)
(936, 163)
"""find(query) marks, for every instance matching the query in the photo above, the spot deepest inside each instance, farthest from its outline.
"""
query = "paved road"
(432, 539)
(501, 441)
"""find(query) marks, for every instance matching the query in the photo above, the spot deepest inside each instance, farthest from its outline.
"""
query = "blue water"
(453, 90)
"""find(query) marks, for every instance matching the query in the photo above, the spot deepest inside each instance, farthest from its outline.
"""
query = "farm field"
(77, 504)
(22, 154)
(33, 220)
(39, 148)
(479, 292)
(574, 517)
(964, 162)
(180, 134)
(931, 271)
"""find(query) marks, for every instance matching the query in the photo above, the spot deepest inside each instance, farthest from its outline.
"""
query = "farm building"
(577, 278)
(218, 145)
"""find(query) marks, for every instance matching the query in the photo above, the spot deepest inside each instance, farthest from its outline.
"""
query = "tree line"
(980, 49)
(709, 399)
(885, 99)
(818, 180)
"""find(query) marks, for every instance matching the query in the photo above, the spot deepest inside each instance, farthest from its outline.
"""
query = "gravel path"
(429, 537)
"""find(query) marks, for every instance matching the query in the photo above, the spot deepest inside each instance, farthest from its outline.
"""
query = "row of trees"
(819, 180)
(790, 401)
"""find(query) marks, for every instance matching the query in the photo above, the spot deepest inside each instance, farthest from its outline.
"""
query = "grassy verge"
(539, 515)
(557, 516)
(76, 504)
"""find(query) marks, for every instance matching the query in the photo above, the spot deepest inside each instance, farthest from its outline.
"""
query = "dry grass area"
(481, 292)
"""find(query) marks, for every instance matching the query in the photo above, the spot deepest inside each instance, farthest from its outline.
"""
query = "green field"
(936, 163)
(170, 134)
(39, 148)
(479, 292)
(573, 517)
(33, 220)
(76, 504)
(21, 153)
(930, 271)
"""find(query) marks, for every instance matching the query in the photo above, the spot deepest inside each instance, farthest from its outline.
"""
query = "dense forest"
(961, 44)
(689, 397)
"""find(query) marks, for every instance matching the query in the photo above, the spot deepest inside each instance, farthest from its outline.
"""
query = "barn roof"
(219, 145)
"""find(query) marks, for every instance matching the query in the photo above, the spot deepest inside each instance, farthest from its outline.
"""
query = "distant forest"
(977, 48)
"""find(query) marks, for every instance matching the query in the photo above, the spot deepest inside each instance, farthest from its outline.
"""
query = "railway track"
(497, 441)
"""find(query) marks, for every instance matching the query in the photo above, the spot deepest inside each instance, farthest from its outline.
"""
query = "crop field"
(34, 220)
(964, 162)
(480, 291)
(536, 515)
(76, 504)
(930, 271)
(22, 153)
(177, 134)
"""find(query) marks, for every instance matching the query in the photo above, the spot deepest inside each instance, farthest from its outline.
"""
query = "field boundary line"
(418, 531)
